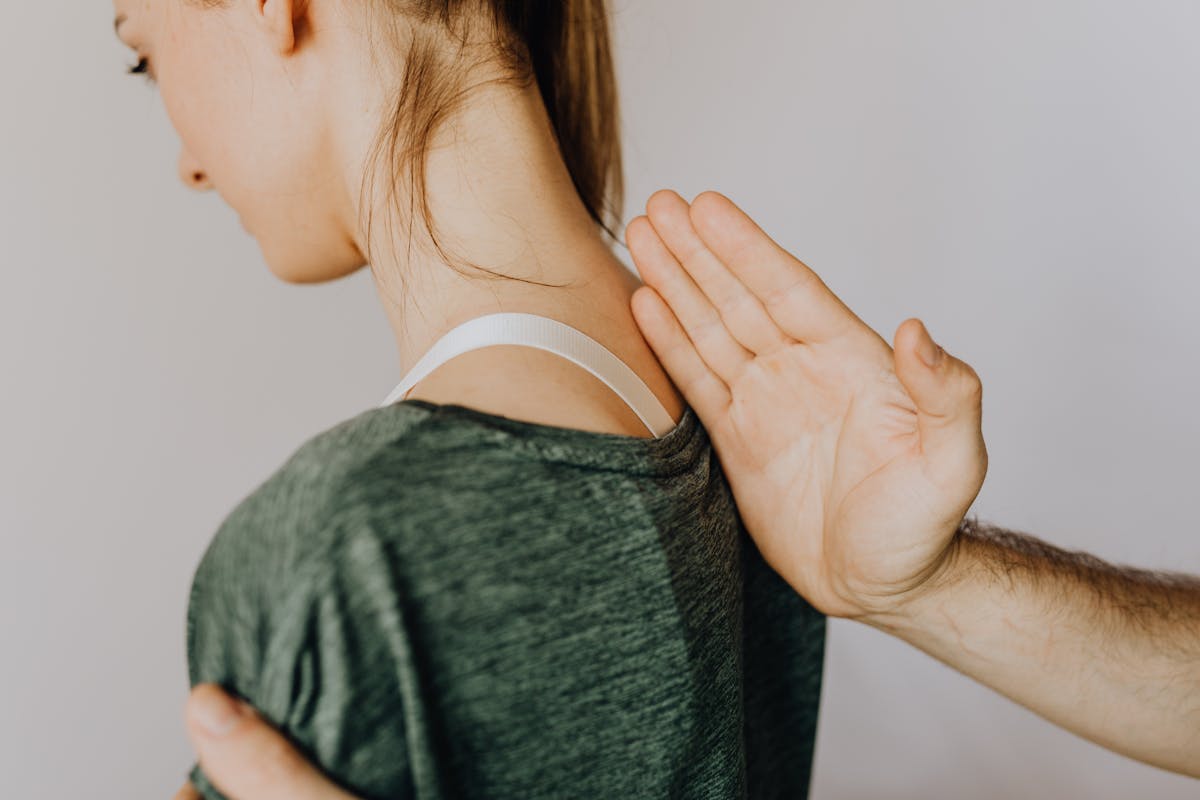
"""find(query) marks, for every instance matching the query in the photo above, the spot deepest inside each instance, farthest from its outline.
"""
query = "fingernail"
(930, 353)
(217, 713)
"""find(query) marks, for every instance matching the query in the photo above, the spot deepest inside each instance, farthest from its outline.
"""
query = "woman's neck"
(500, 196)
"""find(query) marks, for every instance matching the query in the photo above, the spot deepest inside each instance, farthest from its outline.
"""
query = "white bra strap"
(546, 334)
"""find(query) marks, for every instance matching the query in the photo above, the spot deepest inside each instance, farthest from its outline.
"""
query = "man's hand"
(852, 466)
(244, 756)
(852, 463)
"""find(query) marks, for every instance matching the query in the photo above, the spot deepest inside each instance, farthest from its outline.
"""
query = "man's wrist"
(945, 573)
(1107, 651)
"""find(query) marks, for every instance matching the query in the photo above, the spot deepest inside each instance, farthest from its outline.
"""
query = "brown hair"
(565, 45)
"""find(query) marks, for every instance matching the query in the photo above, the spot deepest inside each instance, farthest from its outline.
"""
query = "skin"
(748, 330)
(854, 501)
(276, 104)
(857, 502)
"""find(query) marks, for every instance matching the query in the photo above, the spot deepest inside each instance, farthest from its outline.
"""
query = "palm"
(826, 440)
(818, 437)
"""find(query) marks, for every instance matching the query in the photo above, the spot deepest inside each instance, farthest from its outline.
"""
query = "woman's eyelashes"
(142, 67)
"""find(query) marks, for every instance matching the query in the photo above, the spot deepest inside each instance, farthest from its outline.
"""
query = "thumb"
(246, 758)
(949, 399)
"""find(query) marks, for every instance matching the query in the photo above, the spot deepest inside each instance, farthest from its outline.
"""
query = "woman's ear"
(283, 20)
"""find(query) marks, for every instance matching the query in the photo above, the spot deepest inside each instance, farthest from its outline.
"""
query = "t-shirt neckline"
(672, 452)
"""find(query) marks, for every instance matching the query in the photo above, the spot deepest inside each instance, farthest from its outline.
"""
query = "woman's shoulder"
(284, 516)
(407, 470)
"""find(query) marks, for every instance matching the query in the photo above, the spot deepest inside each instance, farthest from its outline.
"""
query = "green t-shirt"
(435, 602)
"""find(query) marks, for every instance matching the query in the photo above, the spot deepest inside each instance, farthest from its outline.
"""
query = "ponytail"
(564, 45)
(570, 51)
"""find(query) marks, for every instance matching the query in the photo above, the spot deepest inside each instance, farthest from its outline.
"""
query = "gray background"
(1021, 175)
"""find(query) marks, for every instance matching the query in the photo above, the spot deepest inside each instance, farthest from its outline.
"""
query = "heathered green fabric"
(436, 602)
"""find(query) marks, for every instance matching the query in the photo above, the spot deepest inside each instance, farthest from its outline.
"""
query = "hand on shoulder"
(852, 462)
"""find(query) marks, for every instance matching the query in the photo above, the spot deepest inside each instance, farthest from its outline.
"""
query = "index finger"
(796, 298)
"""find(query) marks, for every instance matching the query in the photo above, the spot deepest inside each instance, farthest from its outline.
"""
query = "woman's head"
(272, 98)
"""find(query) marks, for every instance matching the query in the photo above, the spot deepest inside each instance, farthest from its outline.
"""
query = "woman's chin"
(295, 266)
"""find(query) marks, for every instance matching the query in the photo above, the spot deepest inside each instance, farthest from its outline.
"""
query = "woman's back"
(434, 601)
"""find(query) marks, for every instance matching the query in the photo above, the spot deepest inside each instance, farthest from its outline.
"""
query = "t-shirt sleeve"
(321, 652)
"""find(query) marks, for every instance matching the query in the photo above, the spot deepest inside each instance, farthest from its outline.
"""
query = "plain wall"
(1021, 175)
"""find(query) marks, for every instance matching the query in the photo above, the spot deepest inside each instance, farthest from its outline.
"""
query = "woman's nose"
(191, 173)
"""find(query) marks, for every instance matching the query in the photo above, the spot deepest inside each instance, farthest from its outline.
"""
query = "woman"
(523, 574)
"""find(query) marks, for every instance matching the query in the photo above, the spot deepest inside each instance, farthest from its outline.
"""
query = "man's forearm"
(1111, 653)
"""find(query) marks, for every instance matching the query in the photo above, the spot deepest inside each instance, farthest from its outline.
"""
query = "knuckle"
(275, 763)
(779, 296)
(974, 384)
(281, 757)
